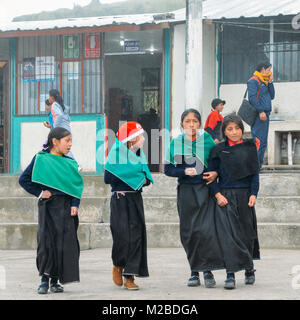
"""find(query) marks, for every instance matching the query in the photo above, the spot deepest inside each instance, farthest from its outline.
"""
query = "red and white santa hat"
(129, 130)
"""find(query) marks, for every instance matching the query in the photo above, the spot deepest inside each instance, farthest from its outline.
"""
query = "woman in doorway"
(54, 179)
(237, 164)
(187, 159)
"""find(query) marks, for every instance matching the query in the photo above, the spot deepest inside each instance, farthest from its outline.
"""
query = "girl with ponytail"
(54, 179)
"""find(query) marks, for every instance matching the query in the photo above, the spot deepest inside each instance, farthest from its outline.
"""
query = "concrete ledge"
(272, 183)
(157, 210)
(159, 235)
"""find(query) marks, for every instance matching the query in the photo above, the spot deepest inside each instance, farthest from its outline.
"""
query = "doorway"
(4, 118)
(133, 85)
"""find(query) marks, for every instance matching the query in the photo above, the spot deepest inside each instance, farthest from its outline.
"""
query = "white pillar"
(272, 43)
(290, 149)
(193, 58)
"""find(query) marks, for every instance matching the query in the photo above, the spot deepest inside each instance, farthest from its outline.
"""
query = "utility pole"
(193, 56)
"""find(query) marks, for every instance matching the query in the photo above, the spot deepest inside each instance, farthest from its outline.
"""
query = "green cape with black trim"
(60, 173)
(200, 148)
(127, 166)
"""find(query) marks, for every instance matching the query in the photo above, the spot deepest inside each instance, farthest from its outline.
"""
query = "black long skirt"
(197, 227)
(128, 228)
(58, 247)
(237, 230)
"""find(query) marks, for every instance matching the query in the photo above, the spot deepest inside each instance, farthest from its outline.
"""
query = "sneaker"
(194, 281)
(56, 288)
(43, 288)
(117, 276)
(250, 276)
(209, 280)
(130, 285)
(230, 281)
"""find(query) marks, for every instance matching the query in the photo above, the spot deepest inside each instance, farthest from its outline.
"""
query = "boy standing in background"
(214, 120)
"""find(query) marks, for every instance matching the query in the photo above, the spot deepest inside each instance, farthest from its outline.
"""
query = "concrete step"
(157, 209)
(271, 184)
(159, 235)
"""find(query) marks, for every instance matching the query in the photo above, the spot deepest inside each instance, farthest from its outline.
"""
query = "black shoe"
(43, 288)
(194, 281)
(230, 281)
(209, 280)
(250, 276)
(56, 288)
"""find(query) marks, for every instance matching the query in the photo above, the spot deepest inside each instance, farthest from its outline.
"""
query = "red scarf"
(232, 143)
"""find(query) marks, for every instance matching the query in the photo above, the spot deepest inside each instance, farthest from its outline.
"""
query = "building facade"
(112, 69)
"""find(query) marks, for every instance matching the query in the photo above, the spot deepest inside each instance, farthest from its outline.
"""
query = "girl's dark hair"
(57, 133)
(194, 111)
(231, 118)
(57, 97)
(265, 64)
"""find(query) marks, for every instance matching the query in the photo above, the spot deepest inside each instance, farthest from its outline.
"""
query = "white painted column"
(272, 42)
(193, 58)
(290, 149)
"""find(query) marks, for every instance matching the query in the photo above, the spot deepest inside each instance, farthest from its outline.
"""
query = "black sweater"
(250, 182)
(178, 171)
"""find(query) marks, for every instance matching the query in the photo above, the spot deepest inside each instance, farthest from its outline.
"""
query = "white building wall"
(286, 104)
(34, 135)
(178, 72)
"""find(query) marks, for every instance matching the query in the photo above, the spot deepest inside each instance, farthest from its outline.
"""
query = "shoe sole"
(132, 289)
(210, 285)
(42, 292)
(56, 291)
(229, 287)
(194, 283)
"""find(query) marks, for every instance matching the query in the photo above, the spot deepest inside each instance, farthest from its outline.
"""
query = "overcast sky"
(12, 8)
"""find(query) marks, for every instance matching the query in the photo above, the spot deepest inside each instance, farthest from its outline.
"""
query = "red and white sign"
(92, 46)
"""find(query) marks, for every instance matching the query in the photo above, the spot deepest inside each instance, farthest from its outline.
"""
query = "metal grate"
(70, 63)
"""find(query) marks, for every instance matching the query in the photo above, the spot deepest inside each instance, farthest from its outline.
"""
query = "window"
(243, 48)
(70, 63)
(151, 88)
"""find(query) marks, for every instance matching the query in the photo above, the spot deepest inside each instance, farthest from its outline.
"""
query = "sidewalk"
(169, 273)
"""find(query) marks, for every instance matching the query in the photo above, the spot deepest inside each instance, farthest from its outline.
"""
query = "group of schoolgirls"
(216, 195)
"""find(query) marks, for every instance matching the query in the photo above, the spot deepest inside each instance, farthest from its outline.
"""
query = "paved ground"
(168, 275)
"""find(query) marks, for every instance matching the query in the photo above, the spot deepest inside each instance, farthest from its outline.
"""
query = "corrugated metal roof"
(218, 9)
(212, 9)
(137, 19)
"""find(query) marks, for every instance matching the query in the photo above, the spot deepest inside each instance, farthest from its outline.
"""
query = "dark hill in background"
(95, 8)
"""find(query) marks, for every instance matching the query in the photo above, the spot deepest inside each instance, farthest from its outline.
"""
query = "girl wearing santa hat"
(127, 172)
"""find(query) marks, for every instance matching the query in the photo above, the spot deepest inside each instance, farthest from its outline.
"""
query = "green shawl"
(59, 173)
(201, 148)
(127, 166)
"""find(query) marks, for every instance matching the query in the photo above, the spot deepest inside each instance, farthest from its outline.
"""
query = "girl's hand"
(192, 172)
(74, 211)
(210, 176)
(222, 201)
(252, 201)
(46, 194)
